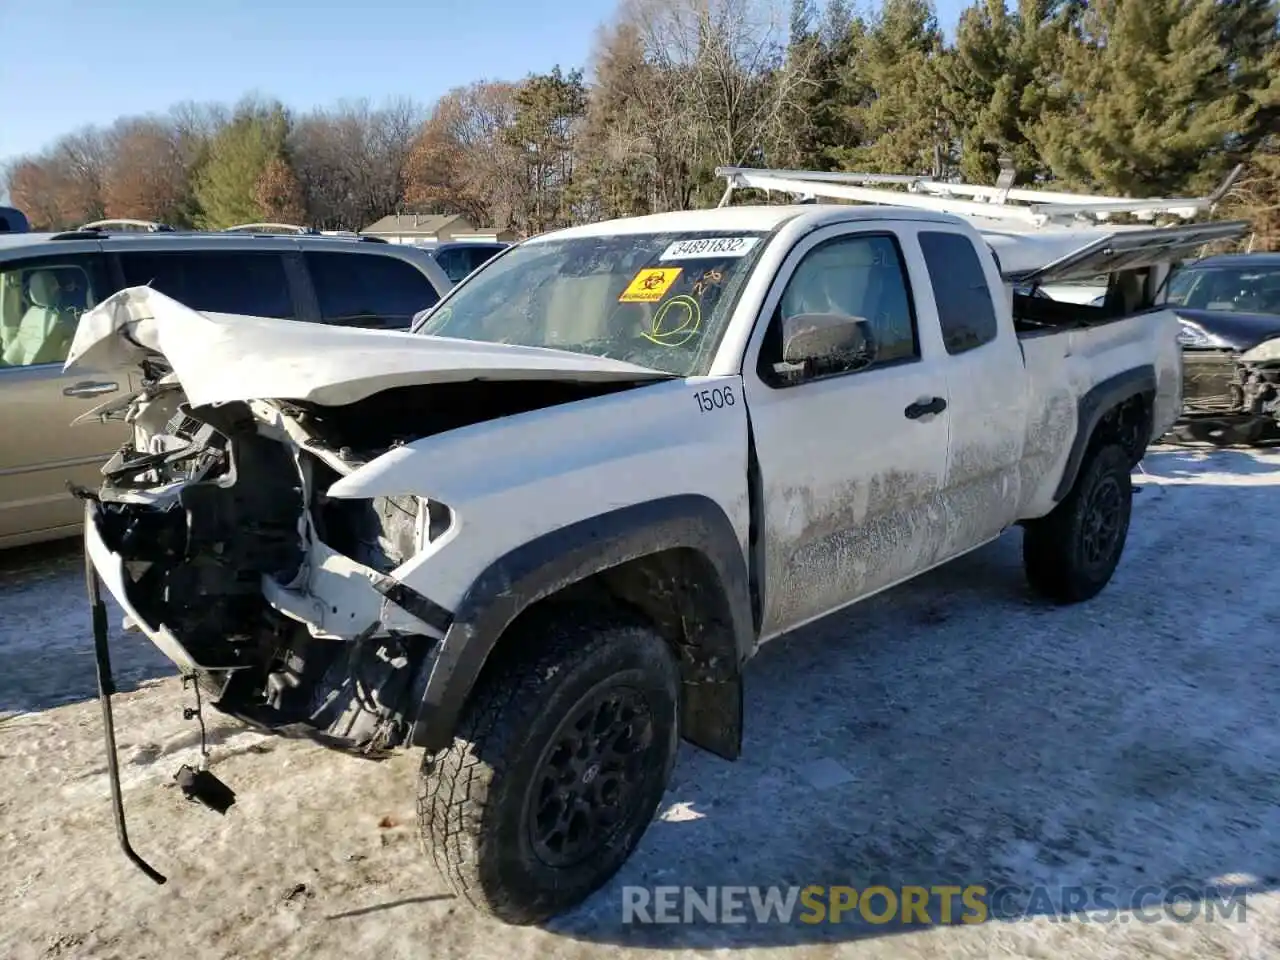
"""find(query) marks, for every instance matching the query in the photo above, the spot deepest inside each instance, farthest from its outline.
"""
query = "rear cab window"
(368, 290)
(966, 310)
(216, 281)
(41, 302)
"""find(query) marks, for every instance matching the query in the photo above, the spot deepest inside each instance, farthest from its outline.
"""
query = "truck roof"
(750, 217)
(1024, 250)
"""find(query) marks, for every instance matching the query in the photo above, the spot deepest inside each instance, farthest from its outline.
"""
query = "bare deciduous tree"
(34, 190)
(350, 161)
(146, 175)
(278, 194)
(462, 161)
(81, 160)
(707, 82)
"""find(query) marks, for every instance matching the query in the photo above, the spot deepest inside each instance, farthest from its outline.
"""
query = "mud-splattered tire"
(1071, 554)
(581, 733)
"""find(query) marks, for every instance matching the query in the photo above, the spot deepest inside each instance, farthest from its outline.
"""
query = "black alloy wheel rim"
(1101, 523)
(587, 786)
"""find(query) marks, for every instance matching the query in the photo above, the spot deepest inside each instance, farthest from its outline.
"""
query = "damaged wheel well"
(1120, 410)
(678, 593)
(675, 563)
(1129, 424)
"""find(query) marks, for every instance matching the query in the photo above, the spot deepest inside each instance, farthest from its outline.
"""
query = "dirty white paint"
(850, 488)
(856, 496)
(509, 481)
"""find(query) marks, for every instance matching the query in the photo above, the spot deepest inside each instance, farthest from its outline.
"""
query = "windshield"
(660, 300)
(1228, 289)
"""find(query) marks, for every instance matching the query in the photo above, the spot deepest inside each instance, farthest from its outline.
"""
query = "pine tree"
(803, 15)
(995, 81)
(1147, 101)
(893, 89)
(1250, 33)
(816, 121)
(238, 157)
(549, 110)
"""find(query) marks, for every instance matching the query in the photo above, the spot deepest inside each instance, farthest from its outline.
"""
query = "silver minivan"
(47, 280)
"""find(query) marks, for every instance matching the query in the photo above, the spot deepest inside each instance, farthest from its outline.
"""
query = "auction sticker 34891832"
(709, 247)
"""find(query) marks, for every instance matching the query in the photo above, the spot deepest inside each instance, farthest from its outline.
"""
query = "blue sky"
(68, 63)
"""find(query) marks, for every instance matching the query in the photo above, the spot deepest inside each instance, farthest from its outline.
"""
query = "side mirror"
(817, 343)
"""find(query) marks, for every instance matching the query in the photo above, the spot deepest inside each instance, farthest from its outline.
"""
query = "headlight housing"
(1193, 335)
(434, 521)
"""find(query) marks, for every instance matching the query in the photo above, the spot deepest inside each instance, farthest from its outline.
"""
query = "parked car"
(459, 258)
(13, 220)
(48, 280)
(539, 536)
(1228, 307)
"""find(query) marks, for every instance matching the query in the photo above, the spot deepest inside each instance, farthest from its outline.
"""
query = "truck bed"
(1035, 315)
(1066, 362)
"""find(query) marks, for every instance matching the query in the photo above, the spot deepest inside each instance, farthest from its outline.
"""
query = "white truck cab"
(540, 535)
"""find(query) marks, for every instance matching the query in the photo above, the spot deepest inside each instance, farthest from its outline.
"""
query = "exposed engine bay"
(281, 599)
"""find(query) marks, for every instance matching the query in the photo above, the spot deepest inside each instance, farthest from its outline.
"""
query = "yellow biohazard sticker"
(649, 285)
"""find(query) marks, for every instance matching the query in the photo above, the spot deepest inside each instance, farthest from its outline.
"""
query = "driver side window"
(860, 276)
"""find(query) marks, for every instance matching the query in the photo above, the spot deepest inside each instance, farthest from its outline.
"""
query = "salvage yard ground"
(950, 731)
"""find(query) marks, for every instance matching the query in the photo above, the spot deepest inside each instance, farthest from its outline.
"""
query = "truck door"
(851, 459)
(987, 384)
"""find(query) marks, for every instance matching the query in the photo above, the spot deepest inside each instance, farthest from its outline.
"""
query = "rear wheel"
(560, 762)
(1071, 554)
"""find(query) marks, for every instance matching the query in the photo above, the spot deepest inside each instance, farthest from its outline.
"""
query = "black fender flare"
(1092, 407)
(555, 560)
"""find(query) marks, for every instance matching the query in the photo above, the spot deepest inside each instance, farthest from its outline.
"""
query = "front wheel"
(558, 767)
(1072, 553)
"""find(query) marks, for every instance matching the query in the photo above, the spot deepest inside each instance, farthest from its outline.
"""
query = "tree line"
(1133, 97)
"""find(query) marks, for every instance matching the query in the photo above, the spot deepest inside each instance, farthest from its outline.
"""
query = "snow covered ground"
(949, 731)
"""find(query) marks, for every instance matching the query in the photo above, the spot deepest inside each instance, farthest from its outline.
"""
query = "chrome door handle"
(90, 388)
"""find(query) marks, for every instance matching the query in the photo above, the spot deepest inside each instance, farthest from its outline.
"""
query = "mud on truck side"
(540, 537)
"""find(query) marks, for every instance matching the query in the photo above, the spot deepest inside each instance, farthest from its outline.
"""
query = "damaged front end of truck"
(219, 529)
(214, 531)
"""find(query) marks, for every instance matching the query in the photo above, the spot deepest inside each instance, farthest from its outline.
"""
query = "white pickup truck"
(541, 536)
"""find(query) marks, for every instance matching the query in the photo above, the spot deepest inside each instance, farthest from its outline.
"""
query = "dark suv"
(458, 258)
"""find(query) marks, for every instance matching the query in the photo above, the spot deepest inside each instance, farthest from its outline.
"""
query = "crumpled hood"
(1242, 330)
(223, 357)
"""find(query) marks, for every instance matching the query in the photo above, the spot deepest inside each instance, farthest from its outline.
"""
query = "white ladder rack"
(1037, 208)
